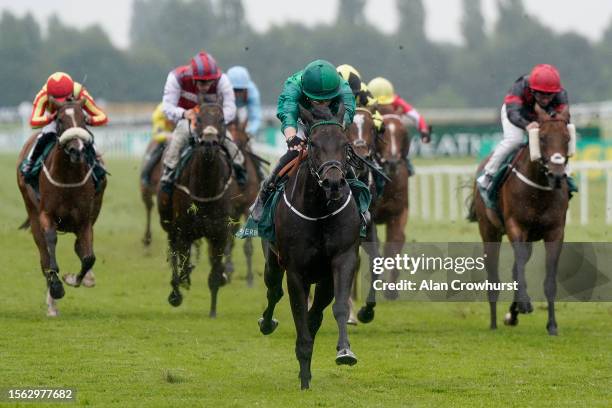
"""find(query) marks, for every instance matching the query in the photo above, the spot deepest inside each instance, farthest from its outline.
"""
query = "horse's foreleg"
(175, 298)
(343, 269)
(217, 276)
(273, 278)
(366, 314)
(553, 251)
(491, 253)
(324, 294)
(522, 253)
(39, 239)
(304, 342)
(49, 233)
(83, 246)
(248, 253)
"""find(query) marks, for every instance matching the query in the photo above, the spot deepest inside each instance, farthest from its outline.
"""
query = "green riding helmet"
(320, 81)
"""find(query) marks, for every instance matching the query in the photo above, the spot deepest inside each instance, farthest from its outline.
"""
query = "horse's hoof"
(70, 279)
(212, 314)
(552, 330)
(146, 241)
(525, 307)
(365, 315)
(56, 289)
(509, 321)
(305, 385)
(266, 329)
(352, 321)
(346, 357)
(89, 280)
(175, 298)
(249, 281)
(51, 312)
(391, 294)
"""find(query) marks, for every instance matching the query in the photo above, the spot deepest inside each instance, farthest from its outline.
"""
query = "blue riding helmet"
(239, 76)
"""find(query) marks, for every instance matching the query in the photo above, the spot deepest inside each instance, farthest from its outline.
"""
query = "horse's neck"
(531, 169)
(304, 190)
(206, 176)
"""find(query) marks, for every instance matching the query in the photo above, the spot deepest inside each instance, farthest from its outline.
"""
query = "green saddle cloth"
(265, 227)
(490, 197)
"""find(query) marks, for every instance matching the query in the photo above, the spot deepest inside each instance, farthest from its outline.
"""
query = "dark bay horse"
(68, 201)
(362, 136)
(317, 225)
(148, 191)
(533, 202)
(391, 209)
(200, 206)
(242, 198)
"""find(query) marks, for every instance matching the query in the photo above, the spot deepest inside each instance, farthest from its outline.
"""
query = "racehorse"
(148, 191)
(242, 197)
(317, 240)
(362, 136)
(200, 205)
(68, 200)
(533, 203)
(391, 208)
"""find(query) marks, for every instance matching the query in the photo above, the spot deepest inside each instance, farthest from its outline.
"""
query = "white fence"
(440, 193)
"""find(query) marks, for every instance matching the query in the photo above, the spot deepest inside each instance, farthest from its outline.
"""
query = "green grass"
(121, 344)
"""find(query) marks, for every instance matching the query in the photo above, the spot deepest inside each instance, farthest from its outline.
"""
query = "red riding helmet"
(545, 78)
(204, 67)
(60, 86)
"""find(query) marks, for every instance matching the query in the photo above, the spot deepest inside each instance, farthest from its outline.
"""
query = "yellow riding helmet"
(350, 75)
(382, 90)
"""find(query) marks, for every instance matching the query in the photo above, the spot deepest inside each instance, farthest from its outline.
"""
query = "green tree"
(472, 25)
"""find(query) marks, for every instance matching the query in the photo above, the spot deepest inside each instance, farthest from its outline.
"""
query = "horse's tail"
(25, 225)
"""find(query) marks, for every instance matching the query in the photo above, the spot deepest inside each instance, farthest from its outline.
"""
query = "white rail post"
(452, 196)
(425, 205)
(609, 197)
(413, 201)
(438, 197)
(584, 197)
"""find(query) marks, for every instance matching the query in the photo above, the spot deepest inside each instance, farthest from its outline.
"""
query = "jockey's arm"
(254, 109)
(413, 114)
(97, 117)
(348, 98)
(172, 94)
(225, 90)
(287, 107)
(514, 104)
(39, 116)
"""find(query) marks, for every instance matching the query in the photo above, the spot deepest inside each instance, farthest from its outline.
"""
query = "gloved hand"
(295, 143)
(426, 135)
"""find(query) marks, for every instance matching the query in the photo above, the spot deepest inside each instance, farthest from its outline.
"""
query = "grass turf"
(121, 344)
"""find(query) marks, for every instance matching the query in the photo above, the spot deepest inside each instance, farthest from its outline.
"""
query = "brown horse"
(68, 201)
(200, 205)
(317, 241)
(149, 190)
(391, 209)
(242, 198)
(533, 203)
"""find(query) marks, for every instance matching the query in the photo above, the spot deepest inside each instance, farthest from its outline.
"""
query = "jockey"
(183, 86)
(382, 90)
(161, 129)
(541, 86)
(61, 87)
(315, 86)
(247, 97)
(363, 96)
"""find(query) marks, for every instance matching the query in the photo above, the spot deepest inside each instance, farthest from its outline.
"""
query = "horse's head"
(238, 130)
(209, 126)
(362, 133)
(394, 144)
(71, 128)
(552, 144)
(327, 149)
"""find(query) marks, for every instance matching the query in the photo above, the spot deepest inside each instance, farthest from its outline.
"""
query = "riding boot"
(269, 185)
(39, 147)
(166, 182)
(151, 161)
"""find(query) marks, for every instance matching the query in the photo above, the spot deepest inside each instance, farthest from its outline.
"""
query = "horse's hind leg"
(343, 267)
(248, 254)
(217, 276)
(147, 198)
(522, 253)
(83, 246)
(227, 253)
(273, 278)
(298, 292)
(49, 233)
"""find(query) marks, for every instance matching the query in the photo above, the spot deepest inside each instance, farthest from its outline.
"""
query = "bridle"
(319, 172)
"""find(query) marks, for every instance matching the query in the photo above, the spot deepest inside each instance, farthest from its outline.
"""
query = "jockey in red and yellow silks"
(61, 87)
